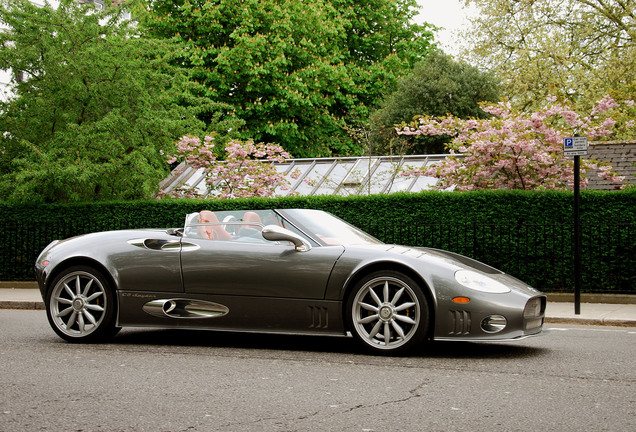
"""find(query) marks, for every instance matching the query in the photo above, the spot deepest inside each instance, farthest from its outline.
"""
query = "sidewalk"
(607, 314)
(20, 298)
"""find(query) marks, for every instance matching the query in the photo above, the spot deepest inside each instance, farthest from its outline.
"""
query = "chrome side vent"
(318, 317)
(459, 322)
(184, 308)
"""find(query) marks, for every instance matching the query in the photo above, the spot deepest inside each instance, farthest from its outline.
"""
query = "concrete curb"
(592, 298)
(18, 285)
(22, 305)
(591, 322)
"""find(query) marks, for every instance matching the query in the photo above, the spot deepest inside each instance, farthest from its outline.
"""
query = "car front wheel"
(388, 313)
(81, 305)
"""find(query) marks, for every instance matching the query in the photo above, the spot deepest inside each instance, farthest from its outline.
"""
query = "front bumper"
(492, 322)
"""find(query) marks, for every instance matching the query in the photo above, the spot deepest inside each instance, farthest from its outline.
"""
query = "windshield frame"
(320, 226)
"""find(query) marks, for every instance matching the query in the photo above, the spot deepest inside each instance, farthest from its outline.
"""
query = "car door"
(147, 261)
(257, 269)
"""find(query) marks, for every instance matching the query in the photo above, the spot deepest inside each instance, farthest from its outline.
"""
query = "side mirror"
(276, 233)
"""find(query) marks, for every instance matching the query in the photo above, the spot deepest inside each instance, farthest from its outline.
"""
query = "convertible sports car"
(286, 271)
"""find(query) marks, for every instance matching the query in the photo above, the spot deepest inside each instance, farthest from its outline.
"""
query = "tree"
(382, 45)
(513, 149)
(96, 105)
(247, 170)
(437, 86)
(579, 50)
(295, 72)
(377, 29)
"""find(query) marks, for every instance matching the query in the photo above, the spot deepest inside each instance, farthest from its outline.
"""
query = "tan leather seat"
(212, 231)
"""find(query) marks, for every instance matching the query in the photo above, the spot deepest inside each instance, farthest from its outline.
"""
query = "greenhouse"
(344, 176)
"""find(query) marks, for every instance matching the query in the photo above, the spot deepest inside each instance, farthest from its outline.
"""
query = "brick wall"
(622, 156)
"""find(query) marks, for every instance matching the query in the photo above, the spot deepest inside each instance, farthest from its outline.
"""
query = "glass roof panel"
(282, 169)
(337, 176)
(383, 175)
(303, 183)
(424, 183)
(402, 183)
(332, 182)
(318, 175)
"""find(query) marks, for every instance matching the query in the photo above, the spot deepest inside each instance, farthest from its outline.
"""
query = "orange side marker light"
(461, 300)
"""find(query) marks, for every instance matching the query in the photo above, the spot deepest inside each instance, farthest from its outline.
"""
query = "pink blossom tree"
(515, 150)
(246, 171)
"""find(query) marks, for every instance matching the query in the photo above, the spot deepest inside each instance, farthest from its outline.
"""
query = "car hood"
(450, 258)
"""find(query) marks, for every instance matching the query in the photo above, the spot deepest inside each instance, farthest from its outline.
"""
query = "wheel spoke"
(368, 307)
(387, 333)
(78, 285)
(89, 317)
(375, 329)
(87, 288)
(404, 306)
(71, 320)
(397, 329)
(93, 307)
(375, 297)
(69, 291)
(81, 323)
(63, 300)
(397, 296)
(64, 312)
(386, 292)
(405, 319)
(368, 319)
(94, 296)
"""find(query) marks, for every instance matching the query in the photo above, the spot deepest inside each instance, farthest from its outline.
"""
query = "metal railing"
(541, 255)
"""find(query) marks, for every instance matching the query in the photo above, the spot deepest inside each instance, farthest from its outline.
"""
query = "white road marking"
(592, 330)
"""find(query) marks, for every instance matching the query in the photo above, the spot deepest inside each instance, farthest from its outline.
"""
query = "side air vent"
(184, 308)
(459, 322)
(318, 317)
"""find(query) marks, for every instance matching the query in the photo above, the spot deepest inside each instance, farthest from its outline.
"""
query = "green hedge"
(527, 234)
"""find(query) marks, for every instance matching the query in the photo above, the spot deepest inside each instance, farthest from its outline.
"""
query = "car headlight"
(480, 282)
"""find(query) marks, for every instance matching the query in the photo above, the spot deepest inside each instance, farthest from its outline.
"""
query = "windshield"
(329, 229)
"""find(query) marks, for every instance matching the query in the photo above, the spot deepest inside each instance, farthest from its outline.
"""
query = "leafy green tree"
(578, 50)
(95, 108)
(382, 44)
(437, 86)
(295, 72)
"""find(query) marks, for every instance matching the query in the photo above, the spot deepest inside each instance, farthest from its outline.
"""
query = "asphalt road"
(577, 378)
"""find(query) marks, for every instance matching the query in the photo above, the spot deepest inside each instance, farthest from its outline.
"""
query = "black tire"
(388, 305)
(81, 305)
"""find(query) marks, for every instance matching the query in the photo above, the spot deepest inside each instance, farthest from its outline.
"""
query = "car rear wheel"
(388, 313)
(81, 305)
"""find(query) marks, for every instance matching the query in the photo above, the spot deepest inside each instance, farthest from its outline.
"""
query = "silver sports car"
(285, 271)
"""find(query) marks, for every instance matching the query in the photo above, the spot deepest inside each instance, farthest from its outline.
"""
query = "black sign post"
(577, 235)
(577, 147)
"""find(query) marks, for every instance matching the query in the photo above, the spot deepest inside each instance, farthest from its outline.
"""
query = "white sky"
(449, 14)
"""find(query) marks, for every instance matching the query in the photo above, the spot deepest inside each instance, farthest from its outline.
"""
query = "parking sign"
(575, 146)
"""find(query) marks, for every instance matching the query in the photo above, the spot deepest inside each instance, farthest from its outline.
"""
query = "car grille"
(533, 313)
(459, 322)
